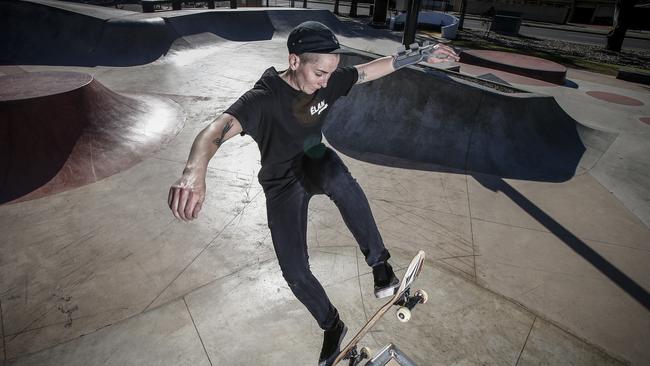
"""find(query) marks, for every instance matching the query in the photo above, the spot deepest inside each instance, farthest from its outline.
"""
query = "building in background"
(560, 11)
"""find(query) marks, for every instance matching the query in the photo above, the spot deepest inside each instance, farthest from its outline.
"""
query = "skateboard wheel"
(365, 352)
(403, 314)
(423, 295)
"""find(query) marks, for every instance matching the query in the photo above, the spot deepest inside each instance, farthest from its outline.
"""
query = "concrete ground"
(518, 272)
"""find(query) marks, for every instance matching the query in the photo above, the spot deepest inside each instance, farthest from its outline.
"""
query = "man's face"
(314, 70)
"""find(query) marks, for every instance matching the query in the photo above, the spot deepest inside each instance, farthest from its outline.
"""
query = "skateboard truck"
(402, 298)
(407, 303)
(356, 356)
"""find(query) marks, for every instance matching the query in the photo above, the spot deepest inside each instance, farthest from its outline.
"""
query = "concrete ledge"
(533, 67)
(634, 75)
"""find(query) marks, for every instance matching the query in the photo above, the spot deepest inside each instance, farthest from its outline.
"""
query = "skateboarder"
(284, 114)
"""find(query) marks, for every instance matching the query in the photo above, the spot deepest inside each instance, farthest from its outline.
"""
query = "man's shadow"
(498, 184)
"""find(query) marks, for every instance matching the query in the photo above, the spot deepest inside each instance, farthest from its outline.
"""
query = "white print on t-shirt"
(318, 109)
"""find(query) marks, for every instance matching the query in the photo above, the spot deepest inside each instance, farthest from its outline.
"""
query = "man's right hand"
(186, 196)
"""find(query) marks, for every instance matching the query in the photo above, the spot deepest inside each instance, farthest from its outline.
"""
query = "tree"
(622, 13)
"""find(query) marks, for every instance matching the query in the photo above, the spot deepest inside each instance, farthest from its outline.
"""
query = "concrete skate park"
(530, 199)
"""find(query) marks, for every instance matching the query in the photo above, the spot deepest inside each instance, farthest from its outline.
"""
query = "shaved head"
(309, 57)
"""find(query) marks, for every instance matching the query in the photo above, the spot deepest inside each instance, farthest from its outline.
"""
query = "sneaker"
(386, 283)
(332, 343)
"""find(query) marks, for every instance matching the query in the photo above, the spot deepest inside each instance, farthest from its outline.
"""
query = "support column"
(411, 24)
(379, 14)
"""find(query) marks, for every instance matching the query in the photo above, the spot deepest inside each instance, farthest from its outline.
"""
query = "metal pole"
(411, 22)
(336, 7)
(463, 10)
(233, 4)
(379, 15)
(353, 8)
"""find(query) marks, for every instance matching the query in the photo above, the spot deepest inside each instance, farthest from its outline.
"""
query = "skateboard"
(402, 298)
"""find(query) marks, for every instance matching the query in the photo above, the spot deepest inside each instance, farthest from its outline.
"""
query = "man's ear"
(294, 61)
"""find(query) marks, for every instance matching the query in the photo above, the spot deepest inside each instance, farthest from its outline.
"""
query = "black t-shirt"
(286, 123)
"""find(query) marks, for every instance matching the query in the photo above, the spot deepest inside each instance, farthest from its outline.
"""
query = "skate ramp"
(62, 130)
(77, 35)
(240, 26)
(56, 33)
(428, 119)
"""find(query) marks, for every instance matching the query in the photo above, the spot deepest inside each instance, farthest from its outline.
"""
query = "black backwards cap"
(312, 37)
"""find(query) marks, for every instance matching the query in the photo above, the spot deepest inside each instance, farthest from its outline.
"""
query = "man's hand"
(186, 196)
(441, 53)
(427, 52)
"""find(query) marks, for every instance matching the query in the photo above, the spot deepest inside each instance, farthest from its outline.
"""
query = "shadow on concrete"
(435, 122)
(581, 248)
(433, 118)
(570, 84)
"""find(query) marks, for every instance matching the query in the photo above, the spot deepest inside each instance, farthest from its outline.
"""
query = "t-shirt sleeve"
(248, 111)
(344, 78)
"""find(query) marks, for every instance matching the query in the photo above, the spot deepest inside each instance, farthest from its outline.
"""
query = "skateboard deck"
(402, 298)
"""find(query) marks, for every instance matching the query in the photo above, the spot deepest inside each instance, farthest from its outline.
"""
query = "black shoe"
(386, 283)
(332, 343)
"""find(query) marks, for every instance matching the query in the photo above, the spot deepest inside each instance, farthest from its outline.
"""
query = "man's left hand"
(442, 53)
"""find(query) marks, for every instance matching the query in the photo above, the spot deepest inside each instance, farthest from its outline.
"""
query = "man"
(284, 113)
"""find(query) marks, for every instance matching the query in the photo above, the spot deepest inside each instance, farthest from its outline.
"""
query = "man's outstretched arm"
(186, 196)
(383, 66)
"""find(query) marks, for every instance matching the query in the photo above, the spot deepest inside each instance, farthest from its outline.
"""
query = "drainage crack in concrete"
(2, 329)
(471, 226)
(458, 269)
(448, 234)
(597, 241)
(243, 267)
(84, 238)
(451, 237)
(80, 318)
(137, 313)
(197, 331)
(529, 291)
(325, 249)
(569, 274)
(200, 253)
(526, 341)
(456, 257)
(399, 204)
(27, 327)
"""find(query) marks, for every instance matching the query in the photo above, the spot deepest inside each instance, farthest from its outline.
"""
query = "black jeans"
(287, 219)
